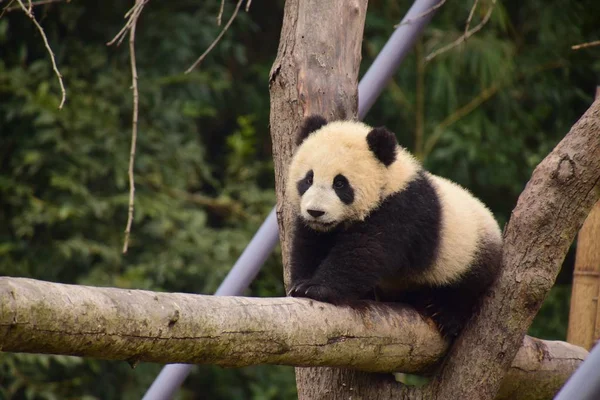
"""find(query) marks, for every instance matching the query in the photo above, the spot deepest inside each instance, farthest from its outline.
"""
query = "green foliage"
(204, 182)
(203, 174)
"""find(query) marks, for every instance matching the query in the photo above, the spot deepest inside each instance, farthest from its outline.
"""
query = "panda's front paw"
(315, 291)
(294, 290)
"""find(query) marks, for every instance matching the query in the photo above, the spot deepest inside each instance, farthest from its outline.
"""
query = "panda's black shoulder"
(418, 198)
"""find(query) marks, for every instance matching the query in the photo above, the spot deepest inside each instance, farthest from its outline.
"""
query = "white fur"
(467, 224)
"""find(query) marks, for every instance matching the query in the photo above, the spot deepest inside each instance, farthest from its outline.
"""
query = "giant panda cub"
(371, 223)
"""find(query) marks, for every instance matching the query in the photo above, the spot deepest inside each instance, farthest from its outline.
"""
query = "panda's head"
(341, 171)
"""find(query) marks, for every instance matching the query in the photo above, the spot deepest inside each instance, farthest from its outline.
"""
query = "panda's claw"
(315, 291)
(297, 289)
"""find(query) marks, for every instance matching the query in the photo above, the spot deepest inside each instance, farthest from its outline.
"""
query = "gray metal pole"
(392, 54)
(239, 278)
(264, 241)
(584, 384)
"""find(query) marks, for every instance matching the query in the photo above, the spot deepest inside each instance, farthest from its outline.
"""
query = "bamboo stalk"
(584, 314)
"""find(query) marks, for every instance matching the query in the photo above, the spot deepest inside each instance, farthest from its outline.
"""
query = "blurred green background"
(483, 114)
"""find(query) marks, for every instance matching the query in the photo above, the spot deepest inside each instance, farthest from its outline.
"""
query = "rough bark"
(137, 325)
(562, 190)
(316, 71)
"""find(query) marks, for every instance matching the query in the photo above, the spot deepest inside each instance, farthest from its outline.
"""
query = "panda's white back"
(466, 226)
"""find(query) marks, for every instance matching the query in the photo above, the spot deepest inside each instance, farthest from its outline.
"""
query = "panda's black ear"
(383, 144)
(309, 125)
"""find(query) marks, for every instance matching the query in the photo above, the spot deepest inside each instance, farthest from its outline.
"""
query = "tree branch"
(28, 11)
(467, 34)
(138, 325)
(33, 4)
(225, 28)
(585, 45)
(559, 195)
(133, 15)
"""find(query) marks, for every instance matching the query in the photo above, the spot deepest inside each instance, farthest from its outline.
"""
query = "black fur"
(347, 263)
(383, 144)
(343, 189)
(397, 241)
(452, 306)
(304, 263)
(309, 125)
(305, 183)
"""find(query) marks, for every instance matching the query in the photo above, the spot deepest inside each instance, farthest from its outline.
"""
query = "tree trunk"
(316, 71)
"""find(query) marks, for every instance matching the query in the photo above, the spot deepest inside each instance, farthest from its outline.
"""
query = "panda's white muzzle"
(321, 207)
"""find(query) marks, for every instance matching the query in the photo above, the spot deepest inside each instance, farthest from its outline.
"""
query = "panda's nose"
(315, 213)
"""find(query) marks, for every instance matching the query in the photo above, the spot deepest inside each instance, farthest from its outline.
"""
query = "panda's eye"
(340, 182)
(308, 179)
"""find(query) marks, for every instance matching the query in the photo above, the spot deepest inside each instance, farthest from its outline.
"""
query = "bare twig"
(467, 34)
(133, 14)
(29, 13)
(214, 43)
(471, 13)
(33, 4)
(423, 14)
(248, 3)
(586, 45)
(134, 124)
(220, 12)
(8, 8)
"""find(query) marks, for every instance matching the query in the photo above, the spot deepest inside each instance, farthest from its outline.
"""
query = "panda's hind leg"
(452, 306)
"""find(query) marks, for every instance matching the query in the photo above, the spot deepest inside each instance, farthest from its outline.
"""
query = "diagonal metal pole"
(264, 241)
(584, 384)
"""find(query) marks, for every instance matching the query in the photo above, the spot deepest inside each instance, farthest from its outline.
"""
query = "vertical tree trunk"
(316, 71)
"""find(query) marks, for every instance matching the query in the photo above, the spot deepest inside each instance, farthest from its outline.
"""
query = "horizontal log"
(138, 325)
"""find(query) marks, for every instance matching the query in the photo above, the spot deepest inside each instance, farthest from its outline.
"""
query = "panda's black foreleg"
(350, 272)
(309, 248)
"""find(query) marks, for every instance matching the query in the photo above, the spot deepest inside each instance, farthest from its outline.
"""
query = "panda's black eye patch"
(340, 181)
(303, 184)
(342, 188)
